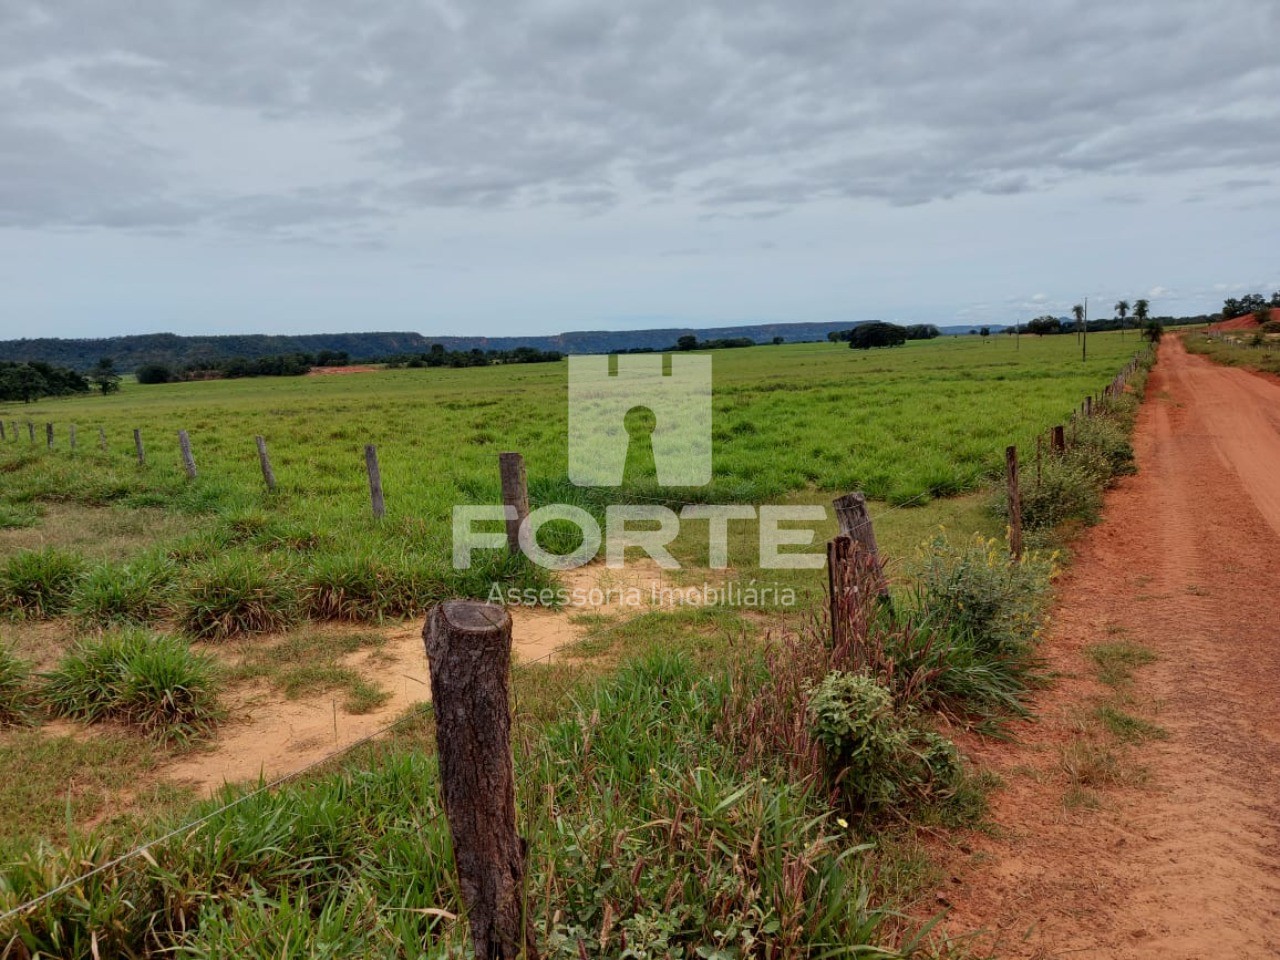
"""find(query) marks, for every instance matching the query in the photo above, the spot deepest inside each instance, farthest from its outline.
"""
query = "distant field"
(925, 419)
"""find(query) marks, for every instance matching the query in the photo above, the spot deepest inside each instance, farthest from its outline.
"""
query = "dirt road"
(1186, 563)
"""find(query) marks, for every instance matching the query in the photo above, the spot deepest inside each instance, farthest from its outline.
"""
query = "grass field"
(91, 542)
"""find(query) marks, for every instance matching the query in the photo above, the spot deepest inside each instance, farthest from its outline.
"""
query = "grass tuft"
(146, 680)
(15, 707)
(38, 584)
(138, 592)
(234, 595)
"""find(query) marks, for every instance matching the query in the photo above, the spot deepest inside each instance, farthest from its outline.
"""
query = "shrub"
(1069, 488)
(147, 680)
(138, 592)
(877, 758)
(14, 675)
(37, 584)
(974, 587)
(236, 594)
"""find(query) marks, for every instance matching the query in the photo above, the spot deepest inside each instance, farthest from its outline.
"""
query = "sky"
(504, 168)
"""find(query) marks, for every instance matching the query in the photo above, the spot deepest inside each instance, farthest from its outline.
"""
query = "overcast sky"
(227, 166)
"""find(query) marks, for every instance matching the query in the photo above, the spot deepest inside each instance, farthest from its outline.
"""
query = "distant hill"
(169, 348)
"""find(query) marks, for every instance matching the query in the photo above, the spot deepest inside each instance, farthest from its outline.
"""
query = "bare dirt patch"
(1186, 564)
(340, 371)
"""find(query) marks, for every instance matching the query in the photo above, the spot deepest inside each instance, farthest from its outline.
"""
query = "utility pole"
(1084, 341)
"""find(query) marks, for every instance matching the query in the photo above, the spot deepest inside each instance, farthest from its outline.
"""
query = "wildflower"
(844, 824)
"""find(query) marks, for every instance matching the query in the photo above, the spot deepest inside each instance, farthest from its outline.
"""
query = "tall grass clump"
(236, 594)
(139, 591)
(15, 693)
(362, 588)
(146, 680)
(37, 584)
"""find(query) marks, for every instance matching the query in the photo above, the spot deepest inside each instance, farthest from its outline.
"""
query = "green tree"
(687, 342)
(877, 334)
(1122, 311)
(1141, 311)
(104, 376)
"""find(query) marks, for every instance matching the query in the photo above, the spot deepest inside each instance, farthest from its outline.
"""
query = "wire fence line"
(418, 713)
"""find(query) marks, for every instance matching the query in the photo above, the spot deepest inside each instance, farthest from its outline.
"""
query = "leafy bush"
(37, 584)
(1069, 488)
(236, 594)
(14, 694)
(137, 592)
(877, 758)
(146, 680)
(974, 587)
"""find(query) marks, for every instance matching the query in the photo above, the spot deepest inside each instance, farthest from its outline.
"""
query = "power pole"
(1084, 341)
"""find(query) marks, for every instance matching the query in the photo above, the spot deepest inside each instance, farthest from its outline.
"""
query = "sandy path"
(270, 735)
(1187, 563)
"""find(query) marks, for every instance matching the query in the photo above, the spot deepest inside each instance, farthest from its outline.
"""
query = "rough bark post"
(188, 461)
(376, 500)
(1088, 406)
(468, 647)
(48, 435)
(3, 435)
(137, 445)
(102, 440)
(1059, 439)
(515, 493)
(1015, 502)
(71, 437)
(31, 432)
(838, 550)
(855, 523)
(268, 475)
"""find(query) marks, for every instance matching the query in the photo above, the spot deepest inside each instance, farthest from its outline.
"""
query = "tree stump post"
(188, 461)
(515, 493)
(31, 432)
(855, 523)
(137, 446)
(1015, 502)
(3, 435)
(468, 646)
(1059, 439)
(376, 500)
(268, 475)
(48, 435)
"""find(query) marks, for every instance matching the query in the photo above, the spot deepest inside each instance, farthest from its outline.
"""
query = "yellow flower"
(843, 822)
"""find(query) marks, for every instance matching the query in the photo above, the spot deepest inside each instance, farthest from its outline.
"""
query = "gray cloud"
(746, 107)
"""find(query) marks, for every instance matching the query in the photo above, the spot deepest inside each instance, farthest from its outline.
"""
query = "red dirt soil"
(1243, 323)
(338, 371)
(1187, 563)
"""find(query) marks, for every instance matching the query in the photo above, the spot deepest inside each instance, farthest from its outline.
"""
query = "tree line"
(233, 368)
(438, 356)
(883, 334)
(35, 380)
(1252, 303)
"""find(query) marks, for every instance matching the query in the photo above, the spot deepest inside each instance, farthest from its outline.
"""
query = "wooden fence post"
(1015, 502)
(48, 435)
(468, 646)
(71, 437)
(1059, 439)
(31, 432)
(855, 523)
(268, 474)
(3, 435)
(102, 439)
(376, 499)
(838, 550)
(137, 445)
(515, 493)
(188, 461)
